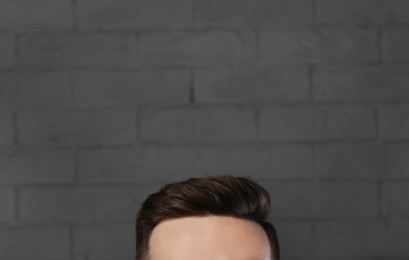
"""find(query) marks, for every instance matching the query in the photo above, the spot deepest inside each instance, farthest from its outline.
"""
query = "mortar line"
(214, 145)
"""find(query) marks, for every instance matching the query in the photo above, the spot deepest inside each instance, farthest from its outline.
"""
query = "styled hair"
(211, 196)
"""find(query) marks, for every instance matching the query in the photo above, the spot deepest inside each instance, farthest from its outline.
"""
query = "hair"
(211, 196)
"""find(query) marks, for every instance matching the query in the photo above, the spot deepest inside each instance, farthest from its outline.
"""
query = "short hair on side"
(237, 197)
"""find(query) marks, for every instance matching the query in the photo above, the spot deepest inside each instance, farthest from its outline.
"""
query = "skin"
(209, 238)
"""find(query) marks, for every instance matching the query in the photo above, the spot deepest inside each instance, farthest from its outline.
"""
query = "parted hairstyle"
(210, 196)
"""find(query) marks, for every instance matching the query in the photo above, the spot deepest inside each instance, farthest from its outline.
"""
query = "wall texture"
(104, 101)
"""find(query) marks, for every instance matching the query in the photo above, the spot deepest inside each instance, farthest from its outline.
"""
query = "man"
(213, 218)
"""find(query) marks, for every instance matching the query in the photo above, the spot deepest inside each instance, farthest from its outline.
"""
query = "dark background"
(104, 101)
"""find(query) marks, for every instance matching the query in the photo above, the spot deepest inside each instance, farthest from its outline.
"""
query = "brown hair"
(219, 195)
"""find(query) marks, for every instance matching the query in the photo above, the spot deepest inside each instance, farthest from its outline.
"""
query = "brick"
(130, 89)
(36, 166)
(317, 123)
(366, 161)
(399, 10)
(36, 89)
(82, 205)
(7, 128)
(7, 51)
(362, 239)
(140, 164)
(251, 85)
(361, 83)
(104, 242)
(258, 13)
(394, 122)
(295, 238)
(77, 127)
(197, 48)
(129, 14)
(395, 41)
(7, 205)
(319, 45)
(394, 199)
(28, 15)
(197, 125)
(79, 51)
(273, 162)
(367, 12)
(397, 164)
(47, 243)
(323, 200)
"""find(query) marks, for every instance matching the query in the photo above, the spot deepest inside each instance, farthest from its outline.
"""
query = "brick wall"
(104, 101)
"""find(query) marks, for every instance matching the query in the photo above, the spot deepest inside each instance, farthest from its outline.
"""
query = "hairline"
(148, 251)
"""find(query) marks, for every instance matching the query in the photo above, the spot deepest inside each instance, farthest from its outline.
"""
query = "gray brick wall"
(104, 101)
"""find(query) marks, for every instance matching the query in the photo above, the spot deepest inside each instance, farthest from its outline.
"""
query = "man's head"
(207, 218)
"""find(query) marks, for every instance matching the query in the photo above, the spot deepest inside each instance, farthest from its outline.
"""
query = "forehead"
(212, 237)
